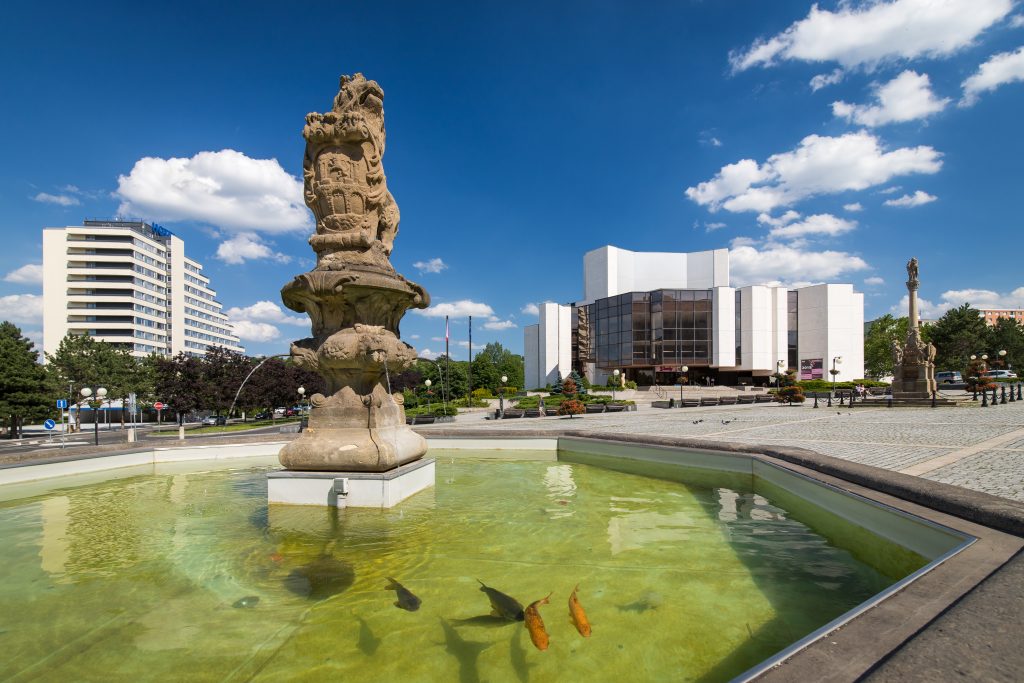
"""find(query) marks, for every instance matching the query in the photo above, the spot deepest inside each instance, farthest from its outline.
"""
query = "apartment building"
(129, 283)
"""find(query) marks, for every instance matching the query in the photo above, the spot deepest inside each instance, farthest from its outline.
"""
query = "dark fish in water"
(368, 643)
(321, 578)
(502, 605)
(648, 601)
(487, 620)
(406, 600)
(465, 651)
(535, 625)
(247, 601)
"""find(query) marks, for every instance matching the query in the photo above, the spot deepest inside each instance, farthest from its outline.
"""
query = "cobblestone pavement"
(896, 439)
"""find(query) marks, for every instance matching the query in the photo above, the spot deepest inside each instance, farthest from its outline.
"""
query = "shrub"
(792, 394)
(482, 392)
(443, 411)
(630, 384)
(569, 387)
(571, 407)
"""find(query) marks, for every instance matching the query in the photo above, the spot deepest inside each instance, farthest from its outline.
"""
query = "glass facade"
(666, 327)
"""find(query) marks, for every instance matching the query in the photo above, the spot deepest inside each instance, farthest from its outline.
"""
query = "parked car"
(215, 421)
(948, 377)
(1000, 374)
(264, 415)
(280, 412)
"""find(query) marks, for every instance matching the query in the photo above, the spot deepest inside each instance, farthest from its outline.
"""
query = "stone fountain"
(357, 435)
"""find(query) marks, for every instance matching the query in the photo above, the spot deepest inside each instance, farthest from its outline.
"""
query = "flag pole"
(469, 371)
(447, 375)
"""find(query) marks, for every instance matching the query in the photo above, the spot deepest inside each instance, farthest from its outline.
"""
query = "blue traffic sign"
(49, 424)
(62, 403)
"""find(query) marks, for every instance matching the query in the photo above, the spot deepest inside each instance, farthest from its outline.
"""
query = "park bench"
(764, 398)
(709, 400)
(615, 408)
(595, 408)
(727, 400)
(746, 399)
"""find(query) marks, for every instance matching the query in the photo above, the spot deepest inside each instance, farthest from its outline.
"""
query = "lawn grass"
(237, 427)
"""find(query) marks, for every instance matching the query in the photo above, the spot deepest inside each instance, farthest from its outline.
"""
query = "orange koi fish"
(535, 625)
(578, 616)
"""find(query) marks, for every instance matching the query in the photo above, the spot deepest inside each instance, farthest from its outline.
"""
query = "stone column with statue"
(914, 361)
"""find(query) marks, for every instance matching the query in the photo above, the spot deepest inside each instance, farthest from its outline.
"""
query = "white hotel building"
(129, 283)
(650, 314)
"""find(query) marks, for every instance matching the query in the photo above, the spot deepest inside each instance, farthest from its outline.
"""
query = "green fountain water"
(191, 576)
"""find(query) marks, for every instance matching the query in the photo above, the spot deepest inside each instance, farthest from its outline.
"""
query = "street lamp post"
(615, 382)
(501, 396)
(301, 391)
(100, 395)
(835, 371)
(427, 384)
(684, 370)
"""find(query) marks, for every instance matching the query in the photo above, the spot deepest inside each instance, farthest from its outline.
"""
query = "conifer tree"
(22, 380)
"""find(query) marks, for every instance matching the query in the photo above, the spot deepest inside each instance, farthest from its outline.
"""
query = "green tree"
(181, 383)
(23, 394)
(956, 335)
(878, 344)
(1006, 335)
(223, 373)
(76, 364)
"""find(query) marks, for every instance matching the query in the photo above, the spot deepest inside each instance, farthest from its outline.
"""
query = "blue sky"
(826, 144)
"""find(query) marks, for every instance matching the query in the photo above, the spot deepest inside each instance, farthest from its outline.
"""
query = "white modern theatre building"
(129, 283)
(650, 314)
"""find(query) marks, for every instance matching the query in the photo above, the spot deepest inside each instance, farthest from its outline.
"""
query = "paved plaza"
(970, 446)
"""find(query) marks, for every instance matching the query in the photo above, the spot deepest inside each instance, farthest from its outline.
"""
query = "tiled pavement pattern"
(890, 438)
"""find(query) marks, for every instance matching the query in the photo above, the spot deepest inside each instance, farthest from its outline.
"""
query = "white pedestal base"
(350, 489)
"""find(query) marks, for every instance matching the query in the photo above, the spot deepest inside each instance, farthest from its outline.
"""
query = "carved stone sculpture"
(914, 361)
(353, 296)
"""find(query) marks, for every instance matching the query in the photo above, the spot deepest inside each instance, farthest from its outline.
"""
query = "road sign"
(62, 403)
(158, 405)
(49, 424)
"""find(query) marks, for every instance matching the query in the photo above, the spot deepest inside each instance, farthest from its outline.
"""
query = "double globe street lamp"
(101, 394)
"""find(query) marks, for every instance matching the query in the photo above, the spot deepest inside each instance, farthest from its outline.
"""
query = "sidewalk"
(977, 448)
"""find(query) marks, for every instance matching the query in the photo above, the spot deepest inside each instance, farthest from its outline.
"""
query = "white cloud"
(977, 298)
(784, 219)
(891, 190)
(60, 199)
(21, 308)
(531, 309)
(711, 227)
(909, 200)
(819, 165)
(36, 337)
(434, 265)
(247, 246)
(265, 311)
(226, 189)
(853, 208)
(1005, 67)
(872, 32)
(907, 97)
(457, 309)
(925, 308)
(253, 331)
(874, 281)
(824, 80)
(427, 353)
(1017, 21)
(985, 298)
(776, 263)
(499, 325)
(818, 224)
(28, 274)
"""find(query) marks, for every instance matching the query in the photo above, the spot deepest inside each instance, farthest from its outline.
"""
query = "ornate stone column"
(353, 296)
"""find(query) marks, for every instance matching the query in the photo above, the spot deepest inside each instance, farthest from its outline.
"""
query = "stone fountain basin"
(962, 549)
